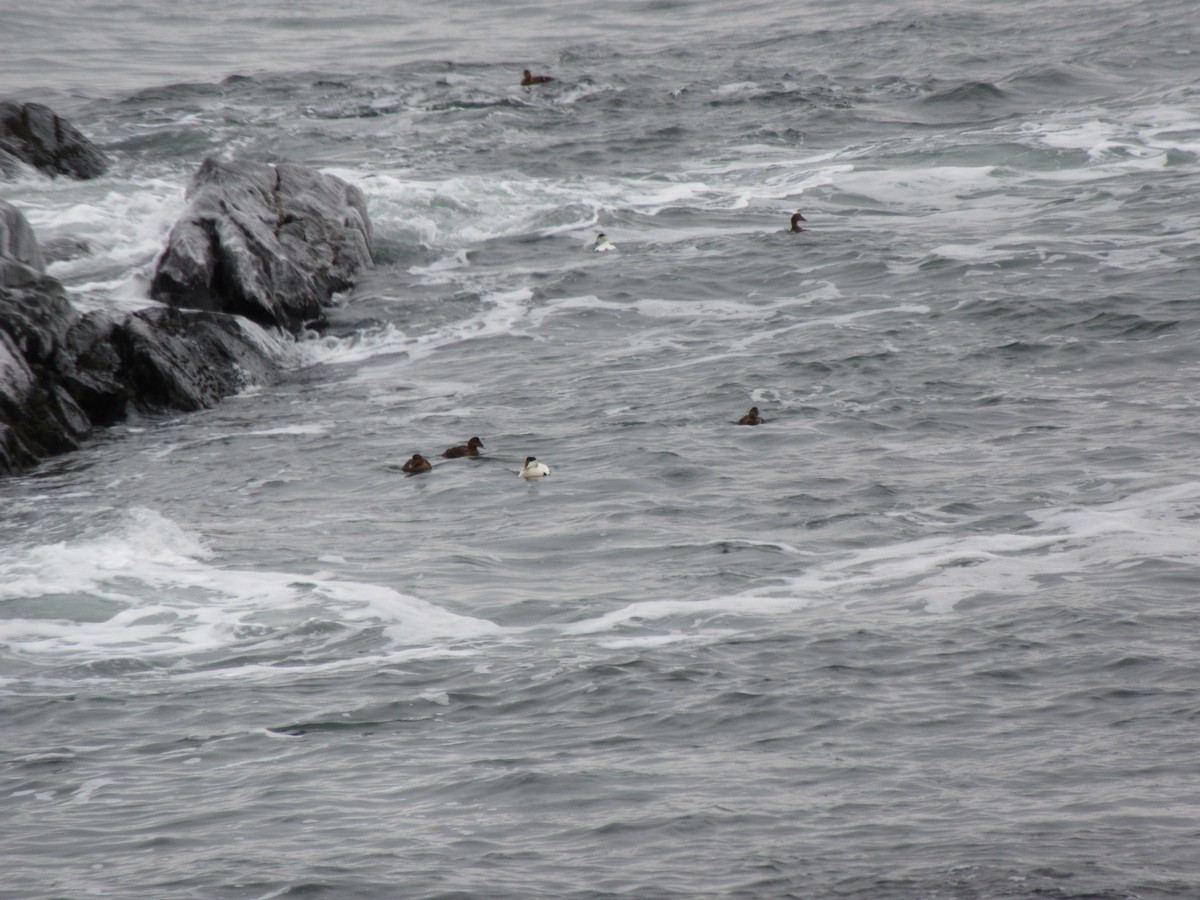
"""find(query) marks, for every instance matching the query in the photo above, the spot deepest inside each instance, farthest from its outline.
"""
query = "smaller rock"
(33, 134)
(21, 262)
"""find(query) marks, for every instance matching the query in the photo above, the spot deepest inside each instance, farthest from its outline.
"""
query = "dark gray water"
(930, 631)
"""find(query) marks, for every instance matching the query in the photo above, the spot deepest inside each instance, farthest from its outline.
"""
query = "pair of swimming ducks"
(603, 244)
(419, 464)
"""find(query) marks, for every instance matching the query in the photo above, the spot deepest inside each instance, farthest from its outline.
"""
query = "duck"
(796, 220)
(603, 244)
(470, 448)
(533, 468)
(416, 465)
(751, 418)
(530, 78)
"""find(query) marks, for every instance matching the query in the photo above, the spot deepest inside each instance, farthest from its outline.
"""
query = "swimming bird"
(530, 78)
(416, 465)
(470, 448)
(796, 220)
(751, 418)
(602, 243)
(533, 468)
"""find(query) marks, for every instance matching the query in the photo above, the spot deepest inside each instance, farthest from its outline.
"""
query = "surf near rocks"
(62, 373)
(270, 243)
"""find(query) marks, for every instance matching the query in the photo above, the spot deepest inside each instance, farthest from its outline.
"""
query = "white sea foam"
(697, 612)
(929, 188)
(165, 597)
(499, 313)
(971, 253)
(362, 345)
(173, 600)
(938, 573)
(1105, 142)
(934, 575)
(469, 210)
(1116, 144)
(692, 310)
(309, 428)
(461, 210)
(123, 226)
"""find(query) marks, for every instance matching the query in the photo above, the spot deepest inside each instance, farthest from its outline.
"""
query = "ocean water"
(931, 631)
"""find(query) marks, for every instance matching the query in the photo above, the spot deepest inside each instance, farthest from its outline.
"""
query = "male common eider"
(530, 78)
(796, 220)
(470, 448)
(533, 468)
(602, 243)
(416, 465)
(751, 418)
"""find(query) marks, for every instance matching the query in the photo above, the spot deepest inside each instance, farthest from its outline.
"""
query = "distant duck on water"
(603, 244)
(470, 448)
(533, 468)
(751, 418)
(530, 78)
(416, 465)
(796, 220)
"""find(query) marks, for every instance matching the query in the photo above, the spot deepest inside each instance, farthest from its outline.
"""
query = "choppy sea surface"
(931, 631)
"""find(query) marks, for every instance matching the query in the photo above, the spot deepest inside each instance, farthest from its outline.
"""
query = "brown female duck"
(416, 465)
(470, 448)
(751, 418)
(530, 78)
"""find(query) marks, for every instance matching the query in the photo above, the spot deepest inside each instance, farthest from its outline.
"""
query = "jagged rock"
(188, 360)
(36, 313)
(90, 365)
(38, 417)
(35, 135)
(271, 243)
(21, 261)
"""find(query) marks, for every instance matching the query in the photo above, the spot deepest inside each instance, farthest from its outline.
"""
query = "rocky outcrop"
(34, 135)
(268, 242)
(61, 374)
